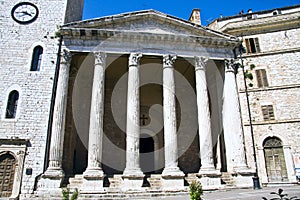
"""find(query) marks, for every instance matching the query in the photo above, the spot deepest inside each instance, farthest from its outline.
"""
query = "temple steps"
(227, 179)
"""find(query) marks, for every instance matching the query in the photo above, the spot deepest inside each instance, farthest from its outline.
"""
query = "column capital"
(231, 66)
(100, 58)
(200, 62)
(66, 57)
(134, 59)
(168, 60)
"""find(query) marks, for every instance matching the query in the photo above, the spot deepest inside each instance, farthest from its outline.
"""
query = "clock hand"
(26, 13)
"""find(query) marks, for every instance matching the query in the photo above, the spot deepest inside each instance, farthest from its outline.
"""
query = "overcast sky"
(210, 9)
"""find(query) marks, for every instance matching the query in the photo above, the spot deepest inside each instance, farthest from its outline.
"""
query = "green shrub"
(66, 194)
(196, 190)
(280, 195)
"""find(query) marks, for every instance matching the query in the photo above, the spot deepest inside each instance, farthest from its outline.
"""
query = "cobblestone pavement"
(243, 194)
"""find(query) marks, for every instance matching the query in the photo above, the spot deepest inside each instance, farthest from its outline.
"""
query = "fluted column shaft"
(204, 119)
(59, 116)
(232, 124)
(170, 128)
(133, 118)
(96, 117)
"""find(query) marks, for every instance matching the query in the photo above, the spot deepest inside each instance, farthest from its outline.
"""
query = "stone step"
(115, 181)
(227, 179)
(191, 177)
(155, 181)
(76, 181)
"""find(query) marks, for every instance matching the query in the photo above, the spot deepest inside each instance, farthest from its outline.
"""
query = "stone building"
(272, 58)
(140, 103)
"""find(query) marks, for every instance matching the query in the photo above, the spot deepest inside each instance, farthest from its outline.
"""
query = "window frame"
(12, 107)
(252, 45)
(261, 78)
(268, 113)
(36, 59)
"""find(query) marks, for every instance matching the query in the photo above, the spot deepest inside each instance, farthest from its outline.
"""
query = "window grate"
(268, 112)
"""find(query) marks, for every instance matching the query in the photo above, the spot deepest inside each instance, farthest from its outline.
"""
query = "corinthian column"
(54, 169)
(93, 176)
(204, 120)
(133, 118)
(232, 124)
(96, 118)
(170, 128)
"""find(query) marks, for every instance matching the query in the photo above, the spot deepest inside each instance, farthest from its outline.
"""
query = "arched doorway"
(7, 173)
(275, 161)
(147, 162)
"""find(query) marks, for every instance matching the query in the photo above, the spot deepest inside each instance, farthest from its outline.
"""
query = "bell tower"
(28, 61)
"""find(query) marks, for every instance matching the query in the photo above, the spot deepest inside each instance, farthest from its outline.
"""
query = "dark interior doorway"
(147, 154)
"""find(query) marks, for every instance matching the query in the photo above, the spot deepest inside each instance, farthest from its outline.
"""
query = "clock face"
(24, 12)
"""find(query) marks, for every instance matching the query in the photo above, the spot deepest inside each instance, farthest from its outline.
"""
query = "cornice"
(265, 24)
(280, 121)
(280, 87)
(267, 53)
(102, 34)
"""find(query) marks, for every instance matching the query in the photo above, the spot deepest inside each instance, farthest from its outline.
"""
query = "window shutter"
(258, 77)
(264, 78)
(247, 42)
(257, 47)
(268, 112)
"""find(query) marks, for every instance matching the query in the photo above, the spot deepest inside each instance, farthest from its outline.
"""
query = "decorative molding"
(168, 60)
(280, 87)
(230, 66)
(66, 57)
(99, 58)
(15, 141)
(261, 24)
(134, 59)
(200, 62)
(100, 34)
(273, 122)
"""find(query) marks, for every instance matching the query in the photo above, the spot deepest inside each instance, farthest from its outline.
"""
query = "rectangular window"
(261, 76)
(252, 45)
(268, 112)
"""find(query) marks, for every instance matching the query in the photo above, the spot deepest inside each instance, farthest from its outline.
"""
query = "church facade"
(139, 103)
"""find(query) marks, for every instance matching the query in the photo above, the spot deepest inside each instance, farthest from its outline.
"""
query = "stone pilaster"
(172, 175)
(93, 176)
(54, 171)
(133, 175)
(232, 124)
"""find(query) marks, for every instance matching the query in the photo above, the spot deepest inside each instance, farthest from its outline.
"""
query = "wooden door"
(7, 172)
(275, 162)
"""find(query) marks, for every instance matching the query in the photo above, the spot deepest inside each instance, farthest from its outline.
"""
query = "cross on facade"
(143, 119)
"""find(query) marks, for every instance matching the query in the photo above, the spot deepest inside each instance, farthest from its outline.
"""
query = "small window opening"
(12, 105)
(36, 58)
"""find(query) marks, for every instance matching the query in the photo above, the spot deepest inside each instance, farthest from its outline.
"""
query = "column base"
(172, 179)
(209, 171)
(210, 178)
(92, 181)
(133, 179)
(51, 180)
(243, 178)
(133, 172)
(132, 183)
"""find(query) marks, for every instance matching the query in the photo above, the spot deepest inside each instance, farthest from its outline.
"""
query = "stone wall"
(35, 88)
(280, 58)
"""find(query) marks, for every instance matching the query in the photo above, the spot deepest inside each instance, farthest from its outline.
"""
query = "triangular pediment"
(149, 21)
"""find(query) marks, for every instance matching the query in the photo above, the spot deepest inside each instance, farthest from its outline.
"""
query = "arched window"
(7, 173)
(275, 161)
(12, 104)
(36, 58)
